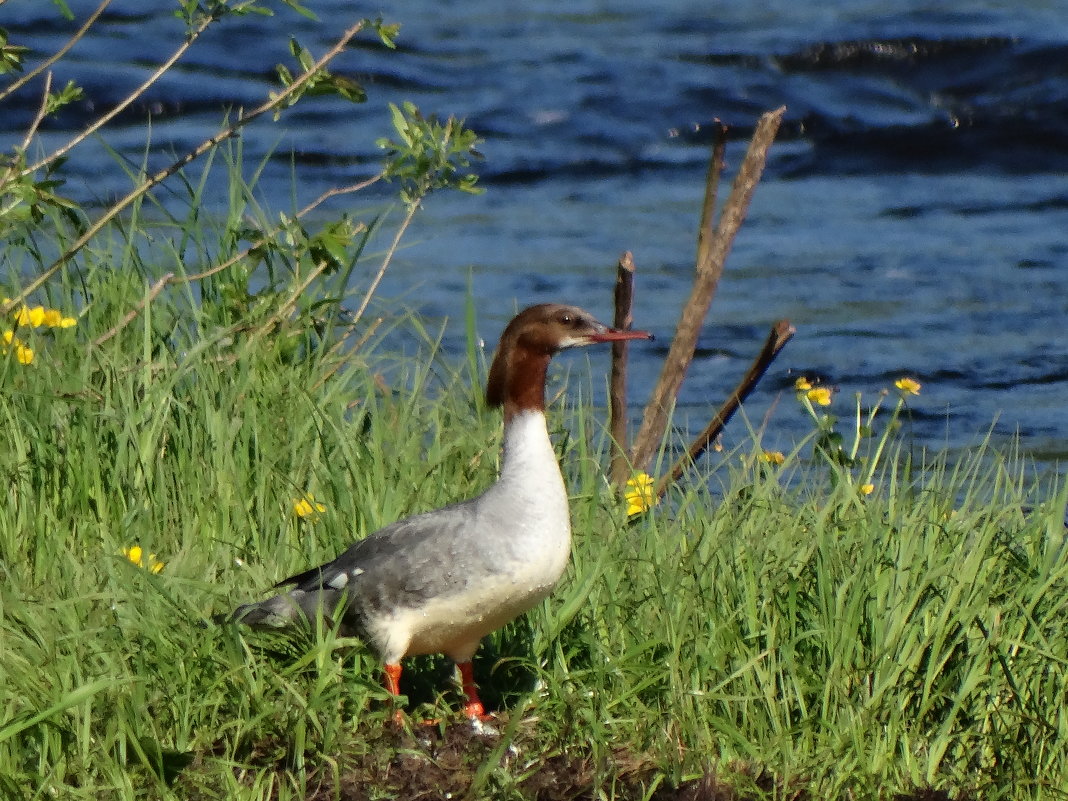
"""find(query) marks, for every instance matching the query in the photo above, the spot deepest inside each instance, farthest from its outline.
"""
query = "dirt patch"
(456, 762)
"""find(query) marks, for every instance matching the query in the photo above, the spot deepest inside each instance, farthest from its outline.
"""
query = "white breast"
(522, 527)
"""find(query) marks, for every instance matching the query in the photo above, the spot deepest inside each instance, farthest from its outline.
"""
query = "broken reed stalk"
(617, 385)
(709, 269)
(780, 334)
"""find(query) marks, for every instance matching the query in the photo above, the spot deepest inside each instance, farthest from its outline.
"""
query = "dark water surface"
(913, 218)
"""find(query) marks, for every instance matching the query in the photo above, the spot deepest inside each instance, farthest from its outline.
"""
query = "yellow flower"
(819, 395)
(30, 318)
(36, 316)
(639, 495)
(866, 489)
(136, 555)
(307, 508)
(773, 457)
(910, 386)
(802, 384)
(22, 353)
(54, 318)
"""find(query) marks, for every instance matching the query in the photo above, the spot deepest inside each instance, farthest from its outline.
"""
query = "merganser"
(439, 582)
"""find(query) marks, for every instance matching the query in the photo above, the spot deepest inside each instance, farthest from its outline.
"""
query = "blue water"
(913, 218)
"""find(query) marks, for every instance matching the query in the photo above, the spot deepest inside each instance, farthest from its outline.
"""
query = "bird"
(440, 581)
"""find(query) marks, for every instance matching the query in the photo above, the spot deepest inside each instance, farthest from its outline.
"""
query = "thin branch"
(31, 131)
(780, 334)
(705, 232)
(192, 155)
(263, 240)
(412, 208)
(78, 36)
(39, 116)
(680, 354)
(130, 98)
(617, 386)
(131, 315)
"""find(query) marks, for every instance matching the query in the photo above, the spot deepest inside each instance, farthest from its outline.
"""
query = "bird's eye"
(565, 319)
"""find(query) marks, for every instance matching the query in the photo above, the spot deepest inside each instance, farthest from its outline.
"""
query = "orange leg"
(473, 708)
(393, 674)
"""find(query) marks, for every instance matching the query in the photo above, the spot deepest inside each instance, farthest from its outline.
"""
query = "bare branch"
(709, 270)
(617, 387)
(412, 208)
(130, 98)
(78, 36)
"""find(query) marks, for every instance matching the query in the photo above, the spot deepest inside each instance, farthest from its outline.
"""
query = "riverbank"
(783, 629)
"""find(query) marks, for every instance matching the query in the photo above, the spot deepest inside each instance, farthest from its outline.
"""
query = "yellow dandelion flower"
(23, 354)
(773, 457)
(639, 495)
(307, 508)
(802, 384)
(137, 556)
(819, 395)
(910, 386)
(866, 489)
(54, 318)
(30, 318)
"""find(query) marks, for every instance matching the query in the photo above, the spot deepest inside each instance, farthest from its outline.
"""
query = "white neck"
(530, 483)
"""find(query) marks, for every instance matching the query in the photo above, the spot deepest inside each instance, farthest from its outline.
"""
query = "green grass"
(783, 626)
(766, 623)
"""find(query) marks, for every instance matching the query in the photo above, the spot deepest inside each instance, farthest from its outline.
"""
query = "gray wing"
(400, 566)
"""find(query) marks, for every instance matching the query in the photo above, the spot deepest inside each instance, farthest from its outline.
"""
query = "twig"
(617, 386)
(412, 208)
(192, 155)
(263, 240)
(130, 98)
(31, 131)
(39, 116)
(780, 334)
(705, 231)
(15, 85)
(132, 314)
(709, 270)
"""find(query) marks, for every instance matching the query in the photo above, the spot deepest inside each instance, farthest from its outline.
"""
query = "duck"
(440, 581)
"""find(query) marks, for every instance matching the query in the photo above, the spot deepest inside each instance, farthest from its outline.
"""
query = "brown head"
(535, 335)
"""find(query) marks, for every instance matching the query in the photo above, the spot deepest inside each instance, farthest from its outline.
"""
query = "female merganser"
(439, 582)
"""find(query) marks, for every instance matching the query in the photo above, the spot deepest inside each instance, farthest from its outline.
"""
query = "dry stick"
(617, 386)
(780, 334)
(189, 157)
(706, 232)
(680, 354)
(48, 62)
